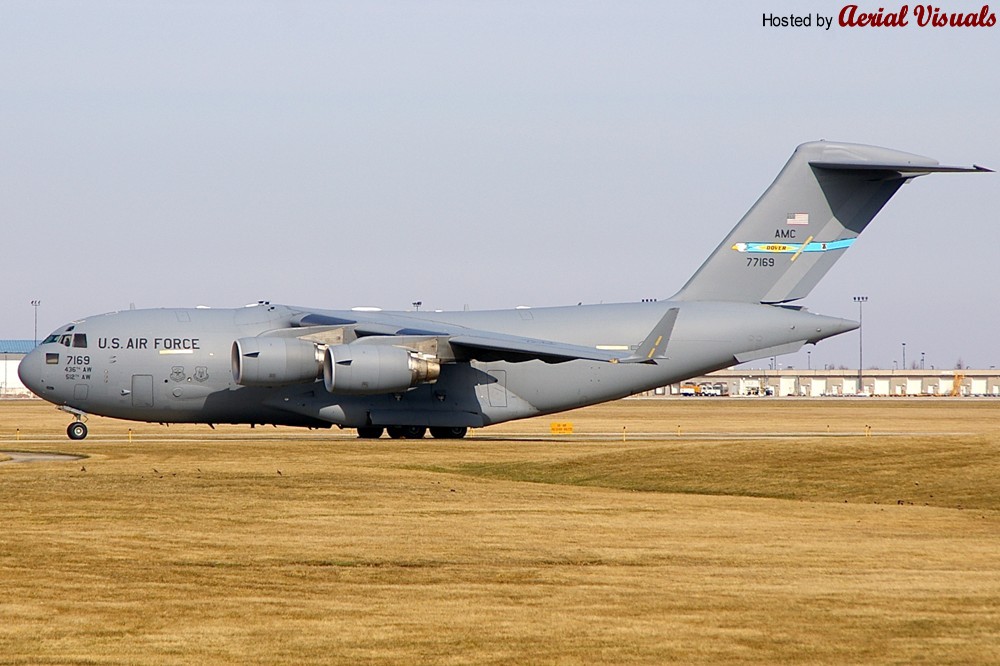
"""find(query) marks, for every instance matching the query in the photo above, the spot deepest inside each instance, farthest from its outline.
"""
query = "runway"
(764, 532)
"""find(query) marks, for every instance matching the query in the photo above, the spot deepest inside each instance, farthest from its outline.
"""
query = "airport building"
(11, 353)
(842, 382)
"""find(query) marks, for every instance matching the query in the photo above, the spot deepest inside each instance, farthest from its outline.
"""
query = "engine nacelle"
(273, 361)
(370, 369)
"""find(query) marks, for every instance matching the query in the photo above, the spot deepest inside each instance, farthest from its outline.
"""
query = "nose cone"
(30, 370)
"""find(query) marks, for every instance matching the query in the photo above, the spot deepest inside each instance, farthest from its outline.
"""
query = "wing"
(485, 346)
(452, 342)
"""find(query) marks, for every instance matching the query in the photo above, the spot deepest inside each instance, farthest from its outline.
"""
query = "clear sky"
(480, 154)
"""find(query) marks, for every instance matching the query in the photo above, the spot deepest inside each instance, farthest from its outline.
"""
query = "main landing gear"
(411, 432)
(406, 432)
(456, 432)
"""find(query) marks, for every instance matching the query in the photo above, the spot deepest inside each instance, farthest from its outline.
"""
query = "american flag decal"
(797, 218)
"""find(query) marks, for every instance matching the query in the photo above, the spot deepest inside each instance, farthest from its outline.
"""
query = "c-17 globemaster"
(405, 372)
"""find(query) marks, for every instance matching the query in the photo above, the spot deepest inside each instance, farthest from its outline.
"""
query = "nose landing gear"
(77, 429)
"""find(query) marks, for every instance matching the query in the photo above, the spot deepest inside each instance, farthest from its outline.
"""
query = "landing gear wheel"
(449, 433)
(370, 432)
(77, 430)
(406, 432)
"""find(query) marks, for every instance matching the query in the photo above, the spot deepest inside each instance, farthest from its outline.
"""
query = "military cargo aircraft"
(406, 372)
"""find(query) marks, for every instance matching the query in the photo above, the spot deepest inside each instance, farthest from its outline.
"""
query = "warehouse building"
(11, 353)
(843, 382)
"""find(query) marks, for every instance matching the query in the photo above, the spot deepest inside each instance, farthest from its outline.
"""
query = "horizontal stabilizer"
(899, 168)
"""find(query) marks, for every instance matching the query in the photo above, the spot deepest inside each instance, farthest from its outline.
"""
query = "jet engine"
(371, 369)
(273, 361)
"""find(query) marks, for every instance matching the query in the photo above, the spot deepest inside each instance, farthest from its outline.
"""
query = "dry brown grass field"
(718, 531)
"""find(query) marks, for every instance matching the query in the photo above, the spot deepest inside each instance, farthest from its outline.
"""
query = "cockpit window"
(51, 338)
(80, 340)
(65, 339)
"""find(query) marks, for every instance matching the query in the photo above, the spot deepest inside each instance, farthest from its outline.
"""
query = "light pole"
(809, 360)
(921, 360)
(904, 357)
(861, 300)
(35, 303)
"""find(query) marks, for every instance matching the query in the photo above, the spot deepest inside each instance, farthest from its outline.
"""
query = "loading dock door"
(142, 390)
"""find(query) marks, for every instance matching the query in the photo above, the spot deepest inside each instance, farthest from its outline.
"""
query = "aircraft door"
(497, 388)
(142, 390)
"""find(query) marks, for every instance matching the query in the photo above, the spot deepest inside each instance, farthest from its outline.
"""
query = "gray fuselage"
(174, 365)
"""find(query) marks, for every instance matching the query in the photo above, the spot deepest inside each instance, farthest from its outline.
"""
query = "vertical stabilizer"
(814, 210)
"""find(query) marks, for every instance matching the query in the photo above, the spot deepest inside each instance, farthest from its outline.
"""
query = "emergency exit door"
(142, 390)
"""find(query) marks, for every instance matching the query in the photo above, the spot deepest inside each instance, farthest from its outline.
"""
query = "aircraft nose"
(30, 370)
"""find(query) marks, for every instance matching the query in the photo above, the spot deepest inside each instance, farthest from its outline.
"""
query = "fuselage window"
(80, 340)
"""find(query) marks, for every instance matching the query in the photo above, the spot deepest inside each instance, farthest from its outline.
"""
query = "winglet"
(656, 342)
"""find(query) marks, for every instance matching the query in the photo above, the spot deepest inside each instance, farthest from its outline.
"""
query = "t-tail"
(811, 214)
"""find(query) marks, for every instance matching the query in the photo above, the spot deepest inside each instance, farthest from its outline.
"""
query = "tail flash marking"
(794, 248)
